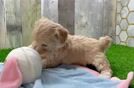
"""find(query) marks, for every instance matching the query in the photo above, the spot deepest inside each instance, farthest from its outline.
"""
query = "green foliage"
(122, 60)
(3, 54)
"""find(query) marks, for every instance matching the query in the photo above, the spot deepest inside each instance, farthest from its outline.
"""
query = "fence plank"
(94, 18)
(30, 11)
(50, 9)
(13, 23)
(109, 18)
(66, 14)
(3, 32)
(88, 21)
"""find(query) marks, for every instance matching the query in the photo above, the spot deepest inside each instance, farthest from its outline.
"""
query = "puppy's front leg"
(50, 63)
(102, 64)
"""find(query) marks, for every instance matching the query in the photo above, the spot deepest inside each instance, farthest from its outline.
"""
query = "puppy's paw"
(106, 75)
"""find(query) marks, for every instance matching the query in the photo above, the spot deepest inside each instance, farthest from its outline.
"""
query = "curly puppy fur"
(56, 46)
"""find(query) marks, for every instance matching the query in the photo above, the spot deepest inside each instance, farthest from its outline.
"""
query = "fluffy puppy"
(56, 46)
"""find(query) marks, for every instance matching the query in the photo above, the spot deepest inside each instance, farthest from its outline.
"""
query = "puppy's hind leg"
(102, 64)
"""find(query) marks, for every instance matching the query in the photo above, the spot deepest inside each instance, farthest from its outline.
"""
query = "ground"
(121, 59)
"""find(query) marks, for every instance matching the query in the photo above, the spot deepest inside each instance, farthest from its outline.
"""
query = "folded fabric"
(64, 76)
(71, 76)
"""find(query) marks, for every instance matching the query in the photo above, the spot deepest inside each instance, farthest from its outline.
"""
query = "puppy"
(56, 46)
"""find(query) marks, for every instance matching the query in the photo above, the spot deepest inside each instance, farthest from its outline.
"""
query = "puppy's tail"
(105, 42)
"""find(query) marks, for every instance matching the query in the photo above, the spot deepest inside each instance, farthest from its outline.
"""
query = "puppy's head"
(49, 35)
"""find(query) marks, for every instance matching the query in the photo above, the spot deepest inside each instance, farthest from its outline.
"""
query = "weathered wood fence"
(16, 21)
(93, 18)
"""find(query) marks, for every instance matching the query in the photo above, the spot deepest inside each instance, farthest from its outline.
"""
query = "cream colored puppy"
(56, 46)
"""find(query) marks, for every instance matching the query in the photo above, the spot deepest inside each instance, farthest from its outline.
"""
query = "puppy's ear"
(63, 33)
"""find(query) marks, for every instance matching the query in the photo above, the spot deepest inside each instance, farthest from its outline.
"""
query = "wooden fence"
(93, 18)
(16, 21)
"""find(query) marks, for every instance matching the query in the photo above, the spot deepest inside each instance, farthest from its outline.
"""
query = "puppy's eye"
(44, 45)
(56, 35)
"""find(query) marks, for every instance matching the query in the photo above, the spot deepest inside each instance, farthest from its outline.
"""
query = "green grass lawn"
(3, 54)
(122, 60)
(120, 57)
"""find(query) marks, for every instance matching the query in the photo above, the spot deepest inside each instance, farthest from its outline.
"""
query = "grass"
(120, 57)
(3, 54)
(122, 60)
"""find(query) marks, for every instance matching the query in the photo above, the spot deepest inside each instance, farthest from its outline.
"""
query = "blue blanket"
(71, 76)
(68, 76)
